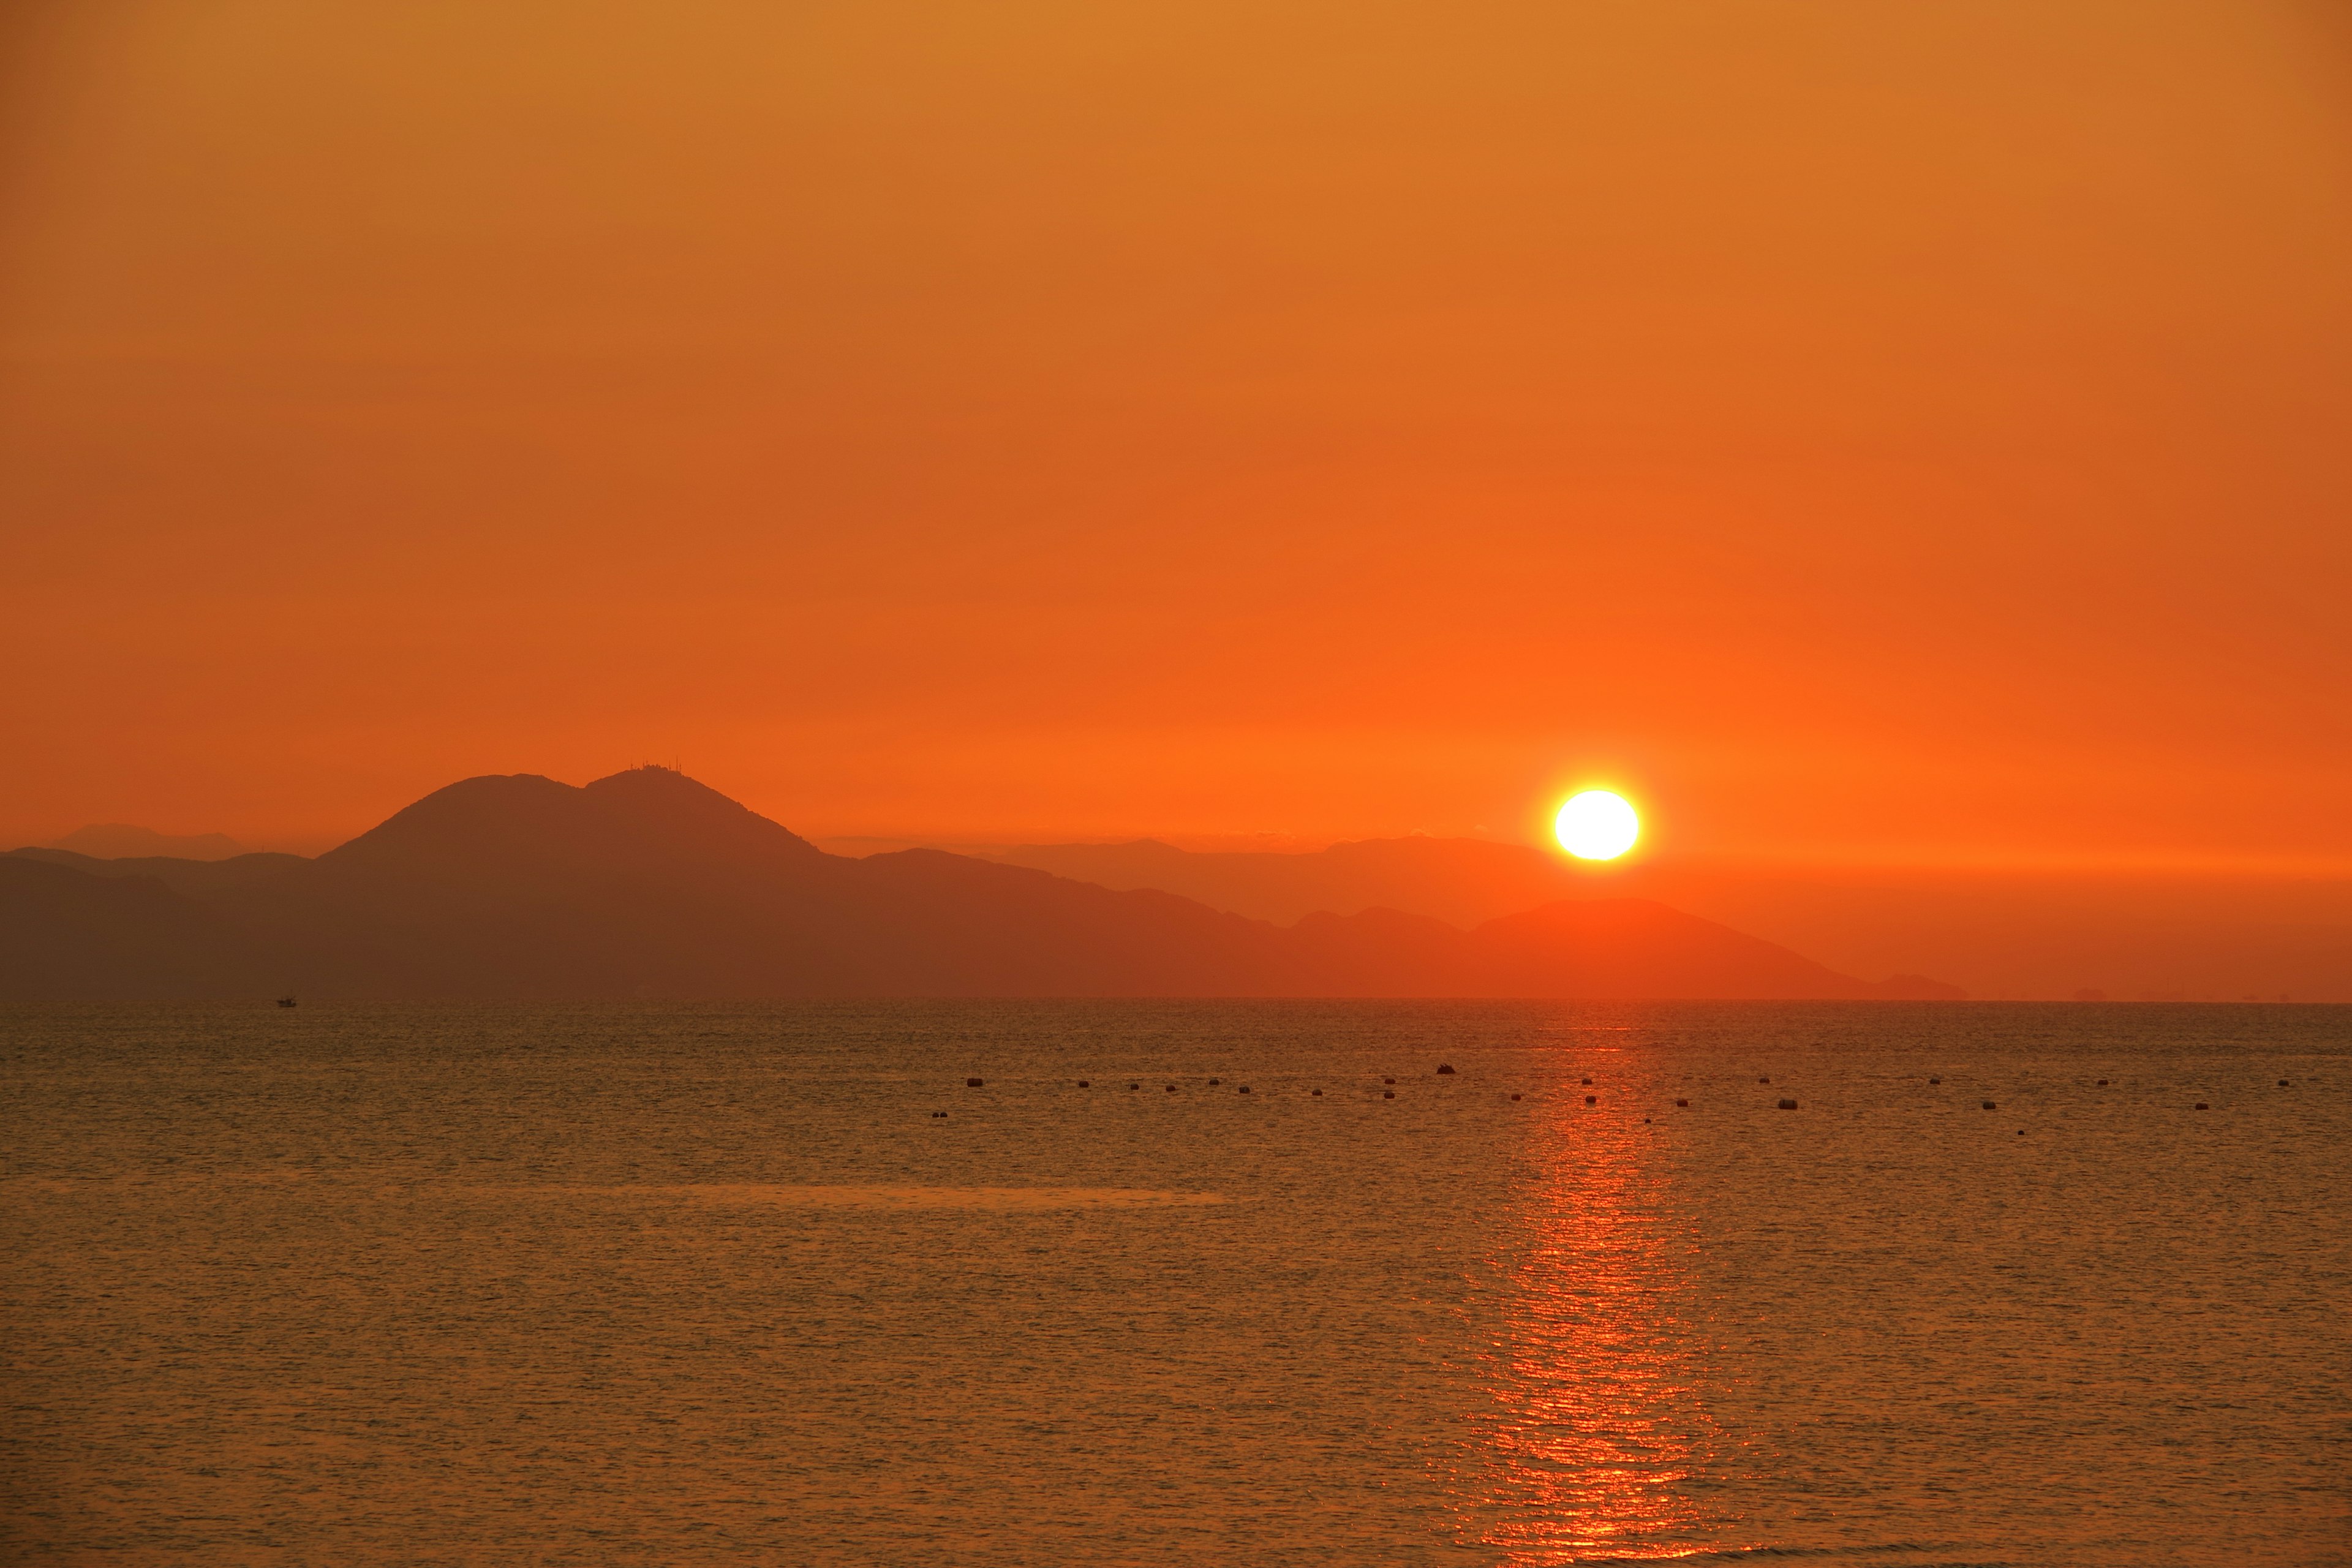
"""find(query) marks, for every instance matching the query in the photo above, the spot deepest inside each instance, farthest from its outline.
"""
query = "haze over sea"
(681, 1284)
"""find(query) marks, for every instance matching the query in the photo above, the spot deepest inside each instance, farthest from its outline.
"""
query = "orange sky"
(1867, 433)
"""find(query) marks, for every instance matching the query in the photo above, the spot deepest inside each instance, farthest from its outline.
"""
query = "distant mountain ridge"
(1465, 881)
(648, 883)
(121, 840)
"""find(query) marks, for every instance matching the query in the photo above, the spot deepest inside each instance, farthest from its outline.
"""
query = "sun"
(1597, 825)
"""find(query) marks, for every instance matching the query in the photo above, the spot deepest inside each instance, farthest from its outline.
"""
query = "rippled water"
(374, 1285)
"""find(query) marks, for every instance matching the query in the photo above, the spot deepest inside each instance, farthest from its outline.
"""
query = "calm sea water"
(714, 1284)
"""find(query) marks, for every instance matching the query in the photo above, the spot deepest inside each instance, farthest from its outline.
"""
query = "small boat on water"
(285, 1000)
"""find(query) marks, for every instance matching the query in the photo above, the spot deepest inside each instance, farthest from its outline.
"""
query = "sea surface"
(688, 1284)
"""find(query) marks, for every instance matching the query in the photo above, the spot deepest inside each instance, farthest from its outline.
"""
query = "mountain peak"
(651, 781)
(639, 816)
(648, 881)
(666, 800)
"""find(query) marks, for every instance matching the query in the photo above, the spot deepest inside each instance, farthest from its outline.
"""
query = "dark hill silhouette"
(65, 934)
(647, 820)
(648, 883)
(195, 878)
(1465, 881)
(121, 840)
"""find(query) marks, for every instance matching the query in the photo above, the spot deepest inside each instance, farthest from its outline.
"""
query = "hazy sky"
(1863, 432)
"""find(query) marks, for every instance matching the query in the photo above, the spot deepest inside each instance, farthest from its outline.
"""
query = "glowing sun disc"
(1596, 825)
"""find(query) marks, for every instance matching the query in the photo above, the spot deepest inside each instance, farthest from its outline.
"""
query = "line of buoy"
(1588, 1100)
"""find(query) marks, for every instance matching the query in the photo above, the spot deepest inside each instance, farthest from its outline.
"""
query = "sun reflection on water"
(1597, 1442)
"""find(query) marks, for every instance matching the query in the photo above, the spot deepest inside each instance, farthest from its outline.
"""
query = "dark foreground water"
(712, 1284)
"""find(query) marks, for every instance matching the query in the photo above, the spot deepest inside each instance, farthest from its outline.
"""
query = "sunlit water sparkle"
(703, 1284)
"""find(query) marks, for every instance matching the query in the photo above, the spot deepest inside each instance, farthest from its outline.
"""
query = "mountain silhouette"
(69, 935)
(121, 840)
(650, 884)
(1464, 881)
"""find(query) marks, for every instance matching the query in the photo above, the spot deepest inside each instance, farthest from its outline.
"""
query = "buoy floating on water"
(1317, 1092)
(1940, 1080)
(1681, 1102)
(1591, 1099)
(2103, 1083)
(1244, 1090)
(1171, 1089)
(1214, 1081)
(1788, 1105)
(1445, 1071)
(1083, 1084)
(1588, 1082)
(1763, 1080)
(2282, 1083)
(1135, 1086)
(972, 1083)
(1388, 1080)
(1388, 1094)
(2202, 1105)
(1514, 1096)
(1989, 1105)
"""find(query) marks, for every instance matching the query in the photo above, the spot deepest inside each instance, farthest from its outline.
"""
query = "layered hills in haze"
(119, 840)
(2212, 934)
(649, 884)
(1465, 881)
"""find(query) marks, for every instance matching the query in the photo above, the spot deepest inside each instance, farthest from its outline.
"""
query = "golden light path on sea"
(1598, 1428)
